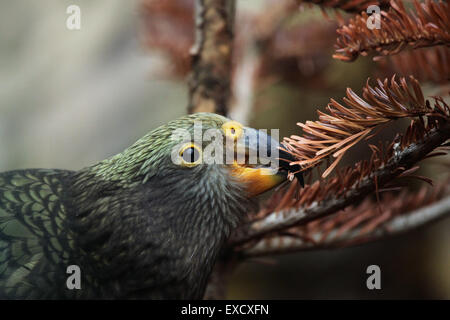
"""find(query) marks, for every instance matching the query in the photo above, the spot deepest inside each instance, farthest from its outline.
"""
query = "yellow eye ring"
(232, 129)
(190, 155)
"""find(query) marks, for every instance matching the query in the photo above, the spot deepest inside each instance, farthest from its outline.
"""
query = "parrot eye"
(233, 129)
(190, 155)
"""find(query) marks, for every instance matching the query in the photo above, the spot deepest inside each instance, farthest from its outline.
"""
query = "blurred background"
(70, 98)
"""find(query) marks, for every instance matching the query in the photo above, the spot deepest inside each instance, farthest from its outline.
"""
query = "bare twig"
(209, 83)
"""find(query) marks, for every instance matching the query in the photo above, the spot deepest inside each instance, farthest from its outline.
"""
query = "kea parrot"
(147, 223)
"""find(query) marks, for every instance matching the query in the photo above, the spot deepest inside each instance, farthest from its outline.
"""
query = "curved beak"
(257, 164)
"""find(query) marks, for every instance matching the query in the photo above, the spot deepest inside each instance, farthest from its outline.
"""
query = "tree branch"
(398, 225)
(209, 83)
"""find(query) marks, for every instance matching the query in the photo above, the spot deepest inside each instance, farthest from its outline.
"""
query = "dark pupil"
(233, 131)
(190, 155)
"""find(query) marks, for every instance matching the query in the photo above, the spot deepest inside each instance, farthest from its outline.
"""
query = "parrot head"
(174, 196)
(203, 145)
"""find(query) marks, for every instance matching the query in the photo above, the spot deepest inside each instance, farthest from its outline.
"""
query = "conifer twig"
(427, 26)
(344, 125)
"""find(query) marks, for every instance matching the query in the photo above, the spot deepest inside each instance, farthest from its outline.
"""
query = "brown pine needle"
(425, 26)
(342, 126)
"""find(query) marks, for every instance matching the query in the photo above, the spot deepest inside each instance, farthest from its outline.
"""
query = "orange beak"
(255, 177)
(257, 180)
